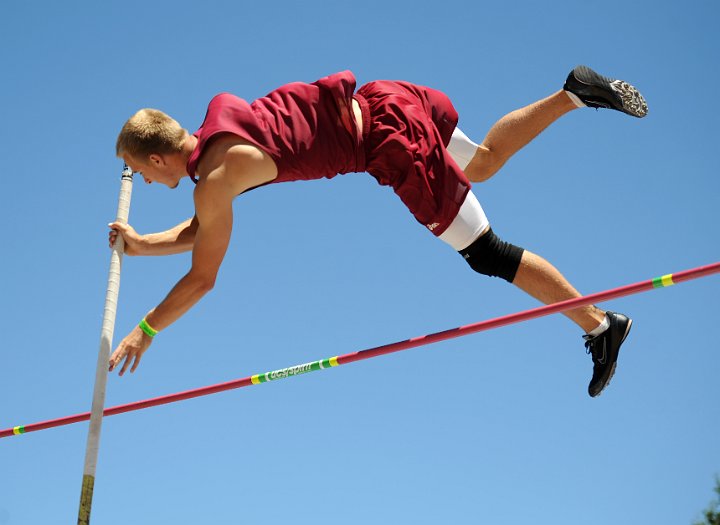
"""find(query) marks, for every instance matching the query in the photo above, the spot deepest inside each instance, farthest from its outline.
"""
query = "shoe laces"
(595, 349)
(590, 344)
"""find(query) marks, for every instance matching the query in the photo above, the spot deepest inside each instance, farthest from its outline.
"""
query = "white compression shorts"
(470, 221)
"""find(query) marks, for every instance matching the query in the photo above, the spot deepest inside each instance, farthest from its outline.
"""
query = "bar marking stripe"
(662, 282)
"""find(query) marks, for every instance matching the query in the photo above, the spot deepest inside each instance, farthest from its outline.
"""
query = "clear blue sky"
(492, 428)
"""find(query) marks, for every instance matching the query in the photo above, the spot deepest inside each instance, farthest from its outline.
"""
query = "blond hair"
(150, 131)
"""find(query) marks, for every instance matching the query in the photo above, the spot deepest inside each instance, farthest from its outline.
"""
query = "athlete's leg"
(583, 87)
(489, 255)
(515, 130)
(606, 331)
(470, 234)
(544, 282)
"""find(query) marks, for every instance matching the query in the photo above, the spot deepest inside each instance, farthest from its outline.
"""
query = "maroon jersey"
(307, 129)
(310, 132)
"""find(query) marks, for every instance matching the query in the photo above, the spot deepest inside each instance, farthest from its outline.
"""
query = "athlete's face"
(156, 168)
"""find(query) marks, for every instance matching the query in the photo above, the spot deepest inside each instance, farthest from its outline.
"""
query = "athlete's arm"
(214, 212)
(241, 169)
(175, 240)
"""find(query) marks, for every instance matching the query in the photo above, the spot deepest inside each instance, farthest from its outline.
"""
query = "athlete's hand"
(131, 348)
(133, 241)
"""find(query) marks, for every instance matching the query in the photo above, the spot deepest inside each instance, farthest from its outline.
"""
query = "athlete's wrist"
(147, 328)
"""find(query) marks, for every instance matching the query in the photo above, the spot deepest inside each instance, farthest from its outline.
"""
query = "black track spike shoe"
(597, 91)
(604, 349)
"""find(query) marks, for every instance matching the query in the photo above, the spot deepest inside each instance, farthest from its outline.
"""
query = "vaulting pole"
(106, 337)
(643, 286)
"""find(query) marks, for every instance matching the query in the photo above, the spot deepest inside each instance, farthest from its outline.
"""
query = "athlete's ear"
(156, 160)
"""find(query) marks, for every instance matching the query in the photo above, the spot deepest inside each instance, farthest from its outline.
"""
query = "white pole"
(106, 337)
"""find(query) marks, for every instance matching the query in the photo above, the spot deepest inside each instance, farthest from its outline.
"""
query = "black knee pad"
(492, 256)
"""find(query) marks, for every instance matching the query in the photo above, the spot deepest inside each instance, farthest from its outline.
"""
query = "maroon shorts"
(407, 129)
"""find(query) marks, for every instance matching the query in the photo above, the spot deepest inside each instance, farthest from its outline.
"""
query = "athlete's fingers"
(115, 359)
(136, 363)
(128, 358)
(118, 226)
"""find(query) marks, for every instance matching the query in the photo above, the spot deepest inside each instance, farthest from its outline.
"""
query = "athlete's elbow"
(206, 285)
(203, 282)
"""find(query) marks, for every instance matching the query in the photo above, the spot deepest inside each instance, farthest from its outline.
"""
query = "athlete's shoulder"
(226, 100)
(239, 162)
(225, 97)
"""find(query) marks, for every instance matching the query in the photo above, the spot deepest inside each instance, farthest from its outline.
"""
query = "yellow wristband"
(145, 327)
